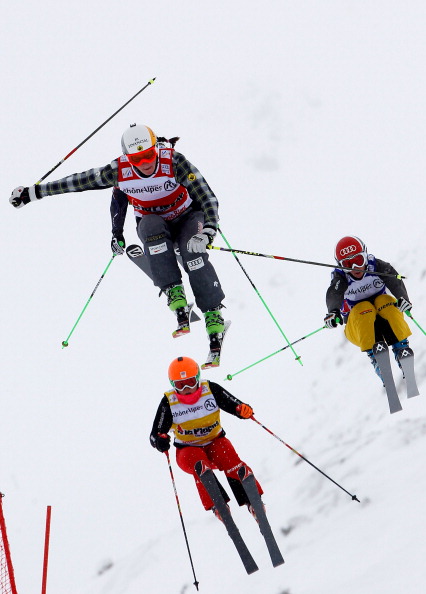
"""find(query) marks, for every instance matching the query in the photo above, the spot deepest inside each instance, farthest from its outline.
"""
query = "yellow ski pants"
(360, 326)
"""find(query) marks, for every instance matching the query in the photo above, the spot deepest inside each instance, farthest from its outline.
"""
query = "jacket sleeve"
(225, 400)
(93, 179)
(118, 210)
(198, 189)
(162, 422)
(395, 285)
(336, 291)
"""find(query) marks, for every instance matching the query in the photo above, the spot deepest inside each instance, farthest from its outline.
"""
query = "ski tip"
(252, 570)
(279, 562)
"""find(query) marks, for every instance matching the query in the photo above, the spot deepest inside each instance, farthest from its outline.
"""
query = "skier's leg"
(223, 454)
(156, 237)
(359, 329)
(186, 459)
(201, 273)
(385, 305)
(399, 329)
(384, 331)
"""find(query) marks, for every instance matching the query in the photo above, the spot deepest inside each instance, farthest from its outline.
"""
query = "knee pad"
(152, 228)
(384, 305)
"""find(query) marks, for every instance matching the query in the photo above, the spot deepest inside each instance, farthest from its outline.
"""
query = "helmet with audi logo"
(348, 247)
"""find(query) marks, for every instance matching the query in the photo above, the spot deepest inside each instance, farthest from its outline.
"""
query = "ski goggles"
(189, 382)
(357, 261)
(147, 156)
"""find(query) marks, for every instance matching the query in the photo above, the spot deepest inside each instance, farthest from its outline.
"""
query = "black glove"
(118, 243)
(403, 305)
(161, 442)
(333, 318)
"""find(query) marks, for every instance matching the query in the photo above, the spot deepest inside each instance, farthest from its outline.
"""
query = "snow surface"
(307, 119)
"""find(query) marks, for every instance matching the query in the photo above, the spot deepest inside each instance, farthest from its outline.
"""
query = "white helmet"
(137, 138)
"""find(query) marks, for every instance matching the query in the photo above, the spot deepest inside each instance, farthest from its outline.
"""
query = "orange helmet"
(181, 369)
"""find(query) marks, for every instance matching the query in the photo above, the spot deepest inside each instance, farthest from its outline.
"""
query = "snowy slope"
(330, 542)
(307, 120)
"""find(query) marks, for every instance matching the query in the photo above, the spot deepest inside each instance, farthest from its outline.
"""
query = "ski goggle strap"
(357, 261)
(147, 156)
(188, 382)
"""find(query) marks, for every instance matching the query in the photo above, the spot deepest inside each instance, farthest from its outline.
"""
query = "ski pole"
(260, 297)
(214, 247)
(354, 497)
(181, 519)
(94, 132)
(230, 376)
(65, 342)
(410, 315)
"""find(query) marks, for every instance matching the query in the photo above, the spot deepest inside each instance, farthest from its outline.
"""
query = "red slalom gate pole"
(3, 538)
(46, 549)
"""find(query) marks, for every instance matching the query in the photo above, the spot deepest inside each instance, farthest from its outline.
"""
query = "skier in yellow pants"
(359, 299)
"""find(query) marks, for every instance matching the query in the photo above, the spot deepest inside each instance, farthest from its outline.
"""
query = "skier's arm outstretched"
(227, 402)
(98, 178)
(163, 421)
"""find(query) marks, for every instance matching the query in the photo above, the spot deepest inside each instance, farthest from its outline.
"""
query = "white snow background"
(308, 121)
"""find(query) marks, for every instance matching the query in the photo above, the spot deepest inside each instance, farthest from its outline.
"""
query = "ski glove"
(403, 305)
(23, 195)
(118, 243)
(244, 411)
(198, 243)
(161, 442)
(333, 318)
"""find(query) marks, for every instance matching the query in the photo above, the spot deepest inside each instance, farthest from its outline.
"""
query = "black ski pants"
(160, 238)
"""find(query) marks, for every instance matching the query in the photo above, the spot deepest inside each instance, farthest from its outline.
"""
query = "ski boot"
(252, 512)
(177, 303)
(374, 364)
(398, 349)
(217, 514)
(215, 327)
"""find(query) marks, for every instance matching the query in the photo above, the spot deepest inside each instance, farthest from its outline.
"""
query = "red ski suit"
(199, 436)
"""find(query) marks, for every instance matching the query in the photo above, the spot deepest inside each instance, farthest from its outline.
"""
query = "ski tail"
(208, 480)
(249, 484)
(405, 358)
(381, 354)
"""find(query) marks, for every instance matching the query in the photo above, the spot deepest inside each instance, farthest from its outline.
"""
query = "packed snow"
(307, 120)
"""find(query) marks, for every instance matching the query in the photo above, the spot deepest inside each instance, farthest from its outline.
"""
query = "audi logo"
(348, 250)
